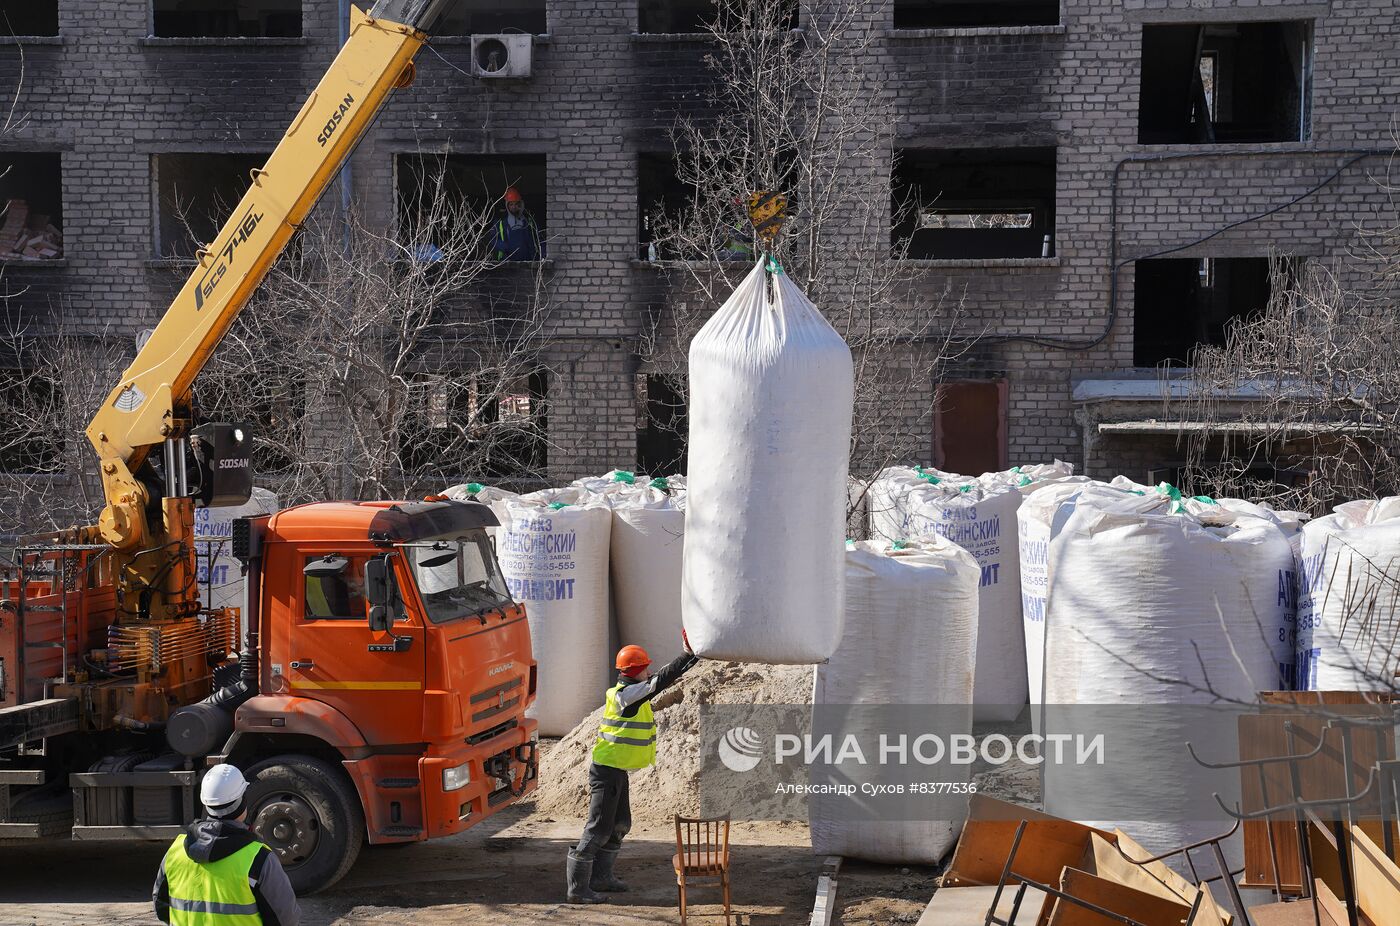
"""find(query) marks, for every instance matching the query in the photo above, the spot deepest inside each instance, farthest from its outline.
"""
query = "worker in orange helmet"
(626, 741)
(517, 237)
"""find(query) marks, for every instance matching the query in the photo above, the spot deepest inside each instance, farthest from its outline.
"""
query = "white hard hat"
(221, 791)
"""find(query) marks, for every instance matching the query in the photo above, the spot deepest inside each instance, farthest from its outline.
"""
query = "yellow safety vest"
(211, 893)
(625, 742)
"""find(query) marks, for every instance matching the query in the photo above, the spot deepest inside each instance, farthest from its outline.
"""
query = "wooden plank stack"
(27, 235)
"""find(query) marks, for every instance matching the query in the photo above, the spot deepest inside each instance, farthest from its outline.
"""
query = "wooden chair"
(702, 852)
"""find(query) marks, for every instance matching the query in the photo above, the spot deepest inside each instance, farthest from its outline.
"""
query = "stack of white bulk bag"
(610, 483)
(553, 550)
(910, 638)
(1349, 598)
(771, 389)
(648, 543)
(487, 495)
(1034, 522)
(219, 572)
(981, 518)
(894, 493)
(1153, 608)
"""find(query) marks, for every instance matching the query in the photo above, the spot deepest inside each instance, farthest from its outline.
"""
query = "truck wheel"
(306, 811)
(52, 811)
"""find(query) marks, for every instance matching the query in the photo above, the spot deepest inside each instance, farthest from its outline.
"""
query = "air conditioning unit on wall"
(506, 55)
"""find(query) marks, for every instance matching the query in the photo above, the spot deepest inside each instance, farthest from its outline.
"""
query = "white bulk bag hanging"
(981, 519)
(910, 637)
(771, 388)
(648, 544)
(1349, 598)
(1156, 609)
(553, 550)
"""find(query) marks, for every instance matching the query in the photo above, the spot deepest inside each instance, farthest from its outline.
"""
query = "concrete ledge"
(639, 264)
(541, 38)
(31, 40)
(662, 38)
(983, 263)
(970, 32)
(163, 41)
(56, 263)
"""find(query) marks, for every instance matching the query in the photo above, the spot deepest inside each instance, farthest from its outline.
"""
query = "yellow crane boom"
(150, 404)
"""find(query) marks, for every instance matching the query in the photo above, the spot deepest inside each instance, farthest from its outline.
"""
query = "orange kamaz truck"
(378, 691)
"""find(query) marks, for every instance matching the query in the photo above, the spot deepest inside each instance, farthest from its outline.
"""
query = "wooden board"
(1298, 913)
(1262, 736)
(1117, 863)
(1333, 908)
(967, 906)
(1117, 898)
(1048, 846)
(1377, 880)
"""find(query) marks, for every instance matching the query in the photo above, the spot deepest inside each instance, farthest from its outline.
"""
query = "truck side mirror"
(380, 593)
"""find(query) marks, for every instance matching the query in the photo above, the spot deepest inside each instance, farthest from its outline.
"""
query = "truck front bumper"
(468, 783)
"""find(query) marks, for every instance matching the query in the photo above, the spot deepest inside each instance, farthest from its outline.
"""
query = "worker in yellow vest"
(626, 741)
(217, 873)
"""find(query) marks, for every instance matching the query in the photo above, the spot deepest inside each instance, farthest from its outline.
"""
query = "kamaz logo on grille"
(497, 670)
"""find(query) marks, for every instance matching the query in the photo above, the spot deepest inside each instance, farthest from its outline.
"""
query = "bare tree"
(55, 377)
(1309, 386)
(380, 363)
(796, 112)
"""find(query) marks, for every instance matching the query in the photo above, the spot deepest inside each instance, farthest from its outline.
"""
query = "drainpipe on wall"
(346, 172)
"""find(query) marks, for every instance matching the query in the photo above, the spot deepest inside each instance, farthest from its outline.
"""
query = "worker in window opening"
(517, 237)
(626, 741)
(217, 872)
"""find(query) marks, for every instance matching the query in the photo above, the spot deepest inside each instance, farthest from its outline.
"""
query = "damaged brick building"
(1101, 182)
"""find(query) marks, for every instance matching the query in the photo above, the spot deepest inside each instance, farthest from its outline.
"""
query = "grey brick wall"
(110, 99)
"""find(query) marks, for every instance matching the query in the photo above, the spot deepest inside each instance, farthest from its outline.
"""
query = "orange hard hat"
(632, 656)
(513, 195)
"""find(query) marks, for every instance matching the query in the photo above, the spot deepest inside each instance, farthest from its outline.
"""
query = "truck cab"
(389, 649)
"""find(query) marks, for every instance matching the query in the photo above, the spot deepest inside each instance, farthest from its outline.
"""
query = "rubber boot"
(580, 871)
(603, 878)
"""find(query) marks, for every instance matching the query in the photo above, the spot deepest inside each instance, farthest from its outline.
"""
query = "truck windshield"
(454, 586)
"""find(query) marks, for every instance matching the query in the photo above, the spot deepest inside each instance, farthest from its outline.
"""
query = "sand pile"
(671, 786)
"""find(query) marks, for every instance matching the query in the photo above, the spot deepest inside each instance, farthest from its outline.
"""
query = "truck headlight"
(456, 778)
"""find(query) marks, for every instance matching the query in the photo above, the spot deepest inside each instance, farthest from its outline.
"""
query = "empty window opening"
(662, 199)
(969, 426)
(975, 203)
(496, 423)
(195, 193)
(32, 401)
(456, 202)
(489, 17)
(29, 17)
(1181, 304)
(31, 196)
(661, 425)
(1220, 83)
(954, 14)
(246, 19)
(690, 16)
